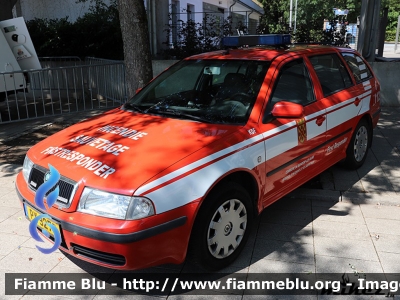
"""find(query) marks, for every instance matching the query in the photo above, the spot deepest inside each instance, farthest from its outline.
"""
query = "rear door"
(341, 97)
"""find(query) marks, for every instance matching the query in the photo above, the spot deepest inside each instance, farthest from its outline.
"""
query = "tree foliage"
(196, 37)
(116, 31)
(310, 16)
(393, 14)
(312, 13)
(91, 35)
(100, 31)
(275, 18)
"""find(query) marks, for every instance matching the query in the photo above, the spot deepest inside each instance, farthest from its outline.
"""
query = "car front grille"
(66, 186)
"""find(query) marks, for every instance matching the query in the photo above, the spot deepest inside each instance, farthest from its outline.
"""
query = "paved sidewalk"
(389, 52)
(350, 225)
(10, 131)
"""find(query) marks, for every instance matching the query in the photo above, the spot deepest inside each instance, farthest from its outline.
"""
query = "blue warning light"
(256, 40)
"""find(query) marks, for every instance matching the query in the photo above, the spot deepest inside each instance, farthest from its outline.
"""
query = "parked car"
(187, 165)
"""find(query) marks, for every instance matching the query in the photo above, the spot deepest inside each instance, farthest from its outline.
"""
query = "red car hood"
(122, 150)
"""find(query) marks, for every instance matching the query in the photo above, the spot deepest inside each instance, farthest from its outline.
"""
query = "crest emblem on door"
(301, 130)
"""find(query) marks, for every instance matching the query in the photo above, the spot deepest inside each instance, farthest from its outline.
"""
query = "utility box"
(17, 54)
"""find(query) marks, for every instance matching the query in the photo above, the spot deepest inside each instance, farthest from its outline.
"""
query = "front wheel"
(221, 228)
(357, 150)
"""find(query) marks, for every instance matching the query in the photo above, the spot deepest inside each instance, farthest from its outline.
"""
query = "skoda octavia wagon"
(186, 165)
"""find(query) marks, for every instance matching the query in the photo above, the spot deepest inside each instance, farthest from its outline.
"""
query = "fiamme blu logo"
(51, 179)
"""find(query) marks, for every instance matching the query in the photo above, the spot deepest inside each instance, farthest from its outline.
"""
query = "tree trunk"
(6, 7)
(135, 36)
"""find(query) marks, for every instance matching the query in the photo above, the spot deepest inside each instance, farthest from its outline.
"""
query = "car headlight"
(109, 205)
(27, 168)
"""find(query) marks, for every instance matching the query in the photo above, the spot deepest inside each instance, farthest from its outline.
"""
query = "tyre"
(222, 228)
(357, 149)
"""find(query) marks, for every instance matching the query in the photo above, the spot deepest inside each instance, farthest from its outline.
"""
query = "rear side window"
(357, 65)
(331, 72)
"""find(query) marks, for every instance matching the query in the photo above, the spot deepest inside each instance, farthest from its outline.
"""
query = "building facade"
(166, 17)
(162, 15)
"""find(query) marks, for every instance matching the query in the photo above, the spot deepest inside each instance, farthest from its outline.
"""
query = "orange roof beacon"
(187, 164)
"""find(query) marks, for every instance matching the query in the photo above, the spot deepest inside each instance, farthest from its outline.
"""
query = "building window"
(174, 19)
(190, 12)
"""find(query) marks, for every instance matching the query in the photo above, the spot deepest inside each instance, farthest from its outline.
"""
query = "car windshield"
(211, 91)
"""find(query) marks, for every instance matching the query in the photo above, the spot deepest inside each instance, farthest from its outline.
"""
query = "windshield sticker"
(97, 167)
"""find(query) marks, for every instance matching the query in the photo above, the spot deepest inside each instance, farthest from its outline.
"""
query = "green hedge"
(96, 34)
(390, 35)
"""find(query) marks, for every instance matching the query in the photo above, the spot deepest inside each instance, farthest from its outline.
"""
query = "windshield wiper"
(134, 107)
(172, 112)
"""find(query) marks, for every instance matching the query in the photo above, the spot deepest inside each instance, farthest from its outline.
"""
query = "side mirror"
(285, 109)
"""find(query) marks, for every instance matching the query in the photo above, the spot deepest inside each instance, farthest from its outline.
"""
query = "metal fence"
(108, 78)
(59, 61)
(210, 24)
(62, 86)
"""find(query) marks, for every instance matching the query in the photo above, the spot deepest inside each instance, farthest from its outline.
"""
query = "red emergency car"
(190, 161)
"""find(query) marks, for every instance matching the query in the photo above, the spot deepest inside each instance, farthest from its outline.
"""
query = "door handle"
(320, 120)
(357, 101)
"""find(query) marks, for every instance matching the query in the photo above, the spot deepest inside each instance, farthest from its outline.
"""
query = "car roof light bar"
(256, 40)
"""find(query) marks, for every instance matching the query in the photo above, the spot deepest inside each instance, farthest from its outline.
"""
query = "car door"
(292, 142)
(342, 100)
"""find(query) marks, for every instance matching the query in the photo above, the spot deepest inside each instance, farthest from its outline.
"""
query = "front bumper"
(112, 243)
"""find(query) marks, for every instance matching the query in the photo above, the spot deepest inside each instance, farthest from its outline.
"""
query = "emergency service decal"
(296, 169)
(106, 145)
(100, 143)
(336, 145)
(97, 167)
(301, 130)
(125, 132)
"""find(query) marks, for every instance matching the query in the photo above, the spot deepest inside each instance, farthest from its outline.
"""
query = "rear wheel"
(221, 228)
(358, 147)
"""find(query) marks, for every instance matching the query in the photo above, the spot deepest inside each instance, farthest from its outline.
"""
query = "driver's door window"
(293, 84)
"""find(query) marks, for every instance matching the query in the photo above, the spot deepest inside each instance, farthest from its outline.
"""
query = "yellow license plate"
(42, 224)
